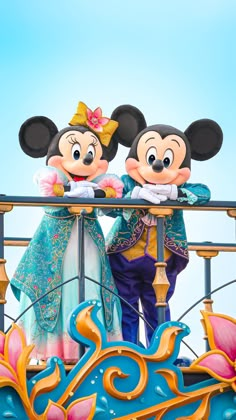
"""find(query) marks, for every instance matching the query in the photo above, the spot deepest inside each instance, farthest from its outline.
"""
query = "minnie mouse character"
(77, 159)
(158, 167)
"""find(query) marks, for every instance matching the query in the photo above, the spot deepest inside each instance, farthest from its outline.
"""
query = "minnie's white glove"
(170, 190)
(146, 194)
(81, 189)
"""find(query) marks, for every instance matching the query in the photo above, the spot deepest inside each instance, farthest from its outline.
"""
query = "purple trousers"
(134, 282)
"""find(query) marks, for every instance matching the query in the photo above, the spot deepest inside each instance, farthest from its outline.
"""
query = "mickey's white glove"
(147, 194)
(170, 190)
(81, 189)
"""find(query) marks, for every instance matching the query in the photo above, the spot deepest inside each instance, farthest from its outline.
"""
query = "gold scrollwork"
(4, 208)
(4, 281)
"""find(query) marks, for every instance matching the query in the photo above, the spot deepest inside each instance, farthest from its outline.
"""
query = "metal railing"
(206, 250)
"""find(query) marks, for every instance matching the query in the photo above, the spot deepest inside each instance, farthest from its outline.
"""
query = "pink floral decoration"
(47, 182)
(114, 183)
(56, 413)
(82, 409)
(224, 335)
(95, 119)
(220, 361)
(2, 342)
(6, 372)
(11, 347)
(15, 346)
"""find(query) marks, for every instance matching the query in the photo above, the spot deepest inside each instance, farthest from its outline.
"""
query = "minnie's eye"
(151, 155)
(75, 151)
(168, 158)
(91, 150)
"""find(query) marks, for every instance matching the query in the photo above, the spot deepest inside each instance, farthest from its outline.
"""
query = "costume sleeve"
(115, 212)
(194, 194)
(128, 184)
(111, 184)
(50, 181)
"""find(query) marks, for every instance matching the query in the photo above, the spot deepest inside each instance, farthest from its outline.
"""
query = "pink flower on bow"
(112, 186)
(95, 119)
(82, 409)
(220, 361)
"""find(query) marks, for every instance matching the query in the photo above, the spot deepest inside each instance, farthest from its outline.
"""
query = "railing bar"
(160, 258)
(9, 317)
(192, 246)
(111, 202)
(190, 348)
(160, 238)
(81, 267)
(1, 235)
(2, 304)
(140, 314)
(94, 281)
(207, 278)
(211, 244)
(204, 297)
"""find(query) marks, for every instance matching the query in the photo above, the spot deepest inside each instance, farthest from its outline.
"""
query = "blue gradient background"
(175, 60)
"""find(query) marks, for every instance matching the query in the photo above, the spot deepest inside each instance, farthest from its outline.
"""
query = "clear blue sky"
(175, 60)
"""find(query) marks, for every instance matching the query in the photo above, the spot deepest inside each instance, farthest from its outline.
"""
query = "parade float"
(90, 361)
(121, 380)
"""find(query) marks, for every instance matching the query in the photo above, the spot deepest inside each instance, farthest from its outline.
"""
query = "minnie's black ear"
(131, 122)
(205, 138)
(35, 136)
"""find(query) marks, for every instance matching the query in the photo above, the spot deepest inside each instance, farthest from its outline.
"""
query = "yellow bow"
(94, 120)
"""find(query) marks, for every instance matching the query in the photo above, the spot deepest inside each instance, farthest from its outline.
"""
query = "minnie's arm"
(51, 183)
(54, 183)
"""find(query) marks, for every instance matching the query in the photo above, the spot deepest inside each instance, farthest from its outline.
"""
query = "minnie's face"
(80, 155)
(159, 160)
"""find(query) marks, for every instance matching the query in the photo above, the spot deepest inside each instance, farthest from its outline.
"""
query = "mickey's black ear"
(131, 122)
(110, 151)
(205, 138)
(35, 135)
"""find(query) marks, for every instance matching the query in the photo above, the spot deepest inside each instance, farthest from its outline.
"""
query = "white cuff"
(135, 192)
(173, 192)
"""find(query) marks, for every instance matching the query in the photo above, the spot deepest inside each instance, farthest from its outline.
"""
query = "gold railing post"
(76, 210)
(4, 281)
(207, 255)
(160, 283)
(232, 213)
(81, 212)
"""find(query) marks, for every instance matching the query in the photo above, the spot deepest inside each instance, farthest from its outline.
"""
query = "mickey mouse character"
(158, 167)
(77, 159)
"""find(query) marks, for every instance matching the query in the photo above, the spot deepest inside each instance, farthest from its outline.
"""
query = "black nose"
(157, 165)
(88, 158)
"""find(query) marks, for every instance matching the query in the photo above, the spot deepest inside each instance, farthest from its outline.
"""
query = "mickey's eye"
(151, 155)
(91, 150)
(168, 158)
(75, 151)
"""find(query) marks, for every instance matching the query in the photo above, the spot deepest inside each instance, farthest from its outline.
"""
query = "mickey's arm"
(188, 193)
(194, 194)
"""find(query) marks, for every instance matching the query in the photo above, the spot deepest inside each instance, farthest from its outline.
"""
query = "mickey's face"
(159, 159)
(80, 155)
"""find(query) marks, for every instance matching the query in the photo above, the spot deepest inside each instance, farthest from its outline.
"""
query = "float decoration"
(117, 380)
